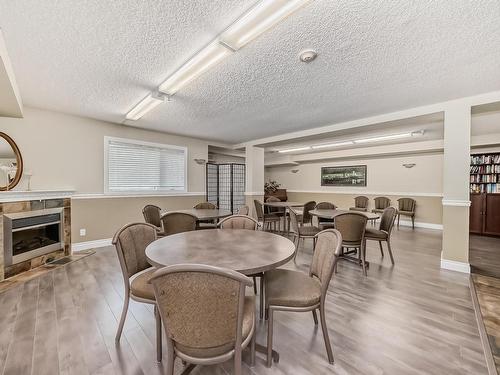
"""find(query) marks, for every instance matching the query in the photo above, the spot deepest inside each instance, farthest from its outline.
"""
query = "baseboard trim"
(405, 223)
(80, 246)
(453, 265)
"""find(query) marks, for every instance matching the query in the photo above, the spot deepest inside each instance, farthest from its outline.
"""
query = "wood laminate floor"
(484, 255)
(409, 319)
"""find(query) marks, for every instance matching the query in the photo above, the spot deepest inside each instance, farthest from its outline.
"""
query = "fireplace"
(31, 234)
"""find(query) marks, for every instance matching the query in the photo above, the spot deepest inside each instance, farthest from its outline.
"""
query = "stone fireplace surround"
(10, 206)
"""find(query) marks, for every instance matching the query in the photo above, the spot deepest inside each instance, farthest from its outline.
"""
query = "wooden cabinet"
(485, 214)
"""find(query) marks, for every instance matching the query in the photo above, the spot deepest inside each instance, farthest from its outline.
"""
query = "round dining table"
(203, 214)
(330, 214)
(250, 252)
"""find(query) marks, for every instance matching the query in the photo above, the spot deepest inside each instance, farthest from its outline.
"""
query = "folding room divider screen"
(225, 185)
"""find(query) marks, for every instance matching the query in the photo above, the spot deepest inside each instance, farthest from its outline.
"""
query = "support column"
(254, 177)
(456, 196)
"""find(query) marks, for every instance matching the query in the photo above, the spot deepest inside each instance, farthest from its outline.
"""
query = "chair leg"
(315, 317)
(122, 319)
(296, 241)
(324, 328)
(390, 251)
(261, 307)
(170, 359)
(362, 255)
(254, 285)
(381, 248)
(158, 334)
(252, 346)
(314, 243)
(413, 222)
(269, 358)
(399, 216)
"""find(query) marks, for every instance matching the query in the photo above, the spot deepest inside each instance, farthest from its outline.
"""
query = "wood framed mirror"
(11, 163)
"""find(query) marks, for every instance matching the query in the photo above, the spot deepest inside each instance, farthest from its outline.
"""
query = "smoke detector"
(308, 56)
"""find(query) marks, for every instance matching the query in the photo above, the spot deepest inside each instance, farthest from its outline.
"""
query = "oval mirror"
(11, 163)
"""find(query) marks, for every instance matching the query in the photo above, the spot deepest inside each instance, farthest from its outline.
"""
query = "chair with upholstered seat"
(381, 203)
(306, 217)
(199, 331)
(352, 226)
(383, 233)
(301, 232)
(178, 222)
(130, 242)
(152, 215)
(243, 210)
(206, 224)
(406, 207)
(266, 219)
(360, 204)
(287, 290)
(324, 223)
(276, 211)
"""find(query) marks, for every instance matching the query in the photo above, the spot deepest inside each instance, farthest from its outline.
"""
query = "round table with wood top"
(330, 214)
(204, 213)
(247, 251)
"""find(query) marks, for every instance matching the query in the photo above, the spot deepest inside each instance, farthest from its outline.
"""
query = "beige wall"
(66, 152)
(385, 176)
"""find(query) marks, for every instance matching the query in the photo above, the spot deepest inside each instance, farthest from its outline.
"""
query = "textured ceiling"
(99, 58)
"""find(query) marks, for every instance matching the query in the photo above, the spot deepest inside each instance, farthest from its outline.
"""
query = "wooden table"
(247, 251)
(204, 213)
(330, 214)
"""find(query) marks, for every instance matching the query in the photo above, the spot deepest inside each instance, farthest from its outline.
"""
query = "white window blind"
(134, 166)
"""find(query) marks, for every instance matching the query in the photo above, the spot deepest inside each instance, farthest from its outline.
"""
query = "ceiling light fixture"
(338, 144)
(389, 137)
(257, 20)
(294, 149)
(198, 64)
(143, 107)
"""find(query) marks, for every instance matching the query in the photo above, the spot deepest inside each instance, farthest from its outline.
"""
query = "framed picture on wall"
(344, 176)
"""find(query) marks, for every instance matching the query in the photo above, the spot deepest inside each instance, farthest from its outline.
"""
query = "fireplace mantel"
(32, 195)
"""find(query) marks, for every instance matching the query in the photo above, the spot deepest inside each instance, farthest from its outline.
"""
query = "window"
(142, 167)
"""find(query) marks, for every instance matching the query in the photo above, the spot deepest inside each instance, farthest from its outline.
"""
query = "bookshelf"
(485, 173)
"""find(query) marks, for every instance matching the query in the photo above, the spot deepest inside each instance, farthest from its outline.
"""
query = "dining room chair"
(406, 207)
(324, 223)
(246, 222)
(243, 210)
(130, 243)
(277, 211)
(301, 232)
(295, 291)
(178, 222)
(383, 233)
(306, 217)
(352, 226)
(360, 204)
(199, 331)
(206, 224)
(381, 203)
(266, 219)
(152, 215)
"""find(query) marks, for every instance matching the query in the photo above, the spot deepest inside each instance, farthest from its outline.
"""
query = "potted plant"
(271, 186)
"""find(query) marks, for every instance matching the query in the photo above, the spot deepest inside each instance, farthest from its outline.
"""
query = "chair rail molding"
(456, 202)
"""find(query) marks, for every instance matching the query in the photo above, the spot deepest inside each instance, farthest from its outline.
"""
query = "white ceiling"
(99, 58)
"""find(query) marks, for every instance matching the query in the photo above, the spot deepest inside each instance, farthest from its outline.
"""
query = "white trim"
(357, 192)
(405, 223)
(108, 139)
(453, 265)
(456, 202)
(80, 246)
(16, 196)
(254, 193)
(146, 195)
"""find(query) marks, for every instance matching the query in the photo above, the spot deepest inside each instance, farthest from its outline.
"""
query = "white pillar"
(456, 196)
(254, 178)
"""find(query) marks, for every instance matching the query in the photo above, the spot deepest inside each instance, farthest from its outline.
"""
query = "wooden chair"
(294, 291)
(130, 242)
(322, 222)
(199, 331)
(178, 222)
(352, 226)
(381, 203)
(360, 204)
(205, 206)
(266, 219)
(206, 224)
(276, 211)
(306, 217)
(243, 210)
(301, 232)
(383, 233)
(406, 207)
(152, 215)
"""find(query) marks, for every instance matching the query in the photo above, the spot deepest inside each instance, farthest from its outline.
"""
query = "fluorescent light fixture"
(338, 144)
(197, 65)
(258, 19)
(143, 107)
(389, 137)
(295, 149)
